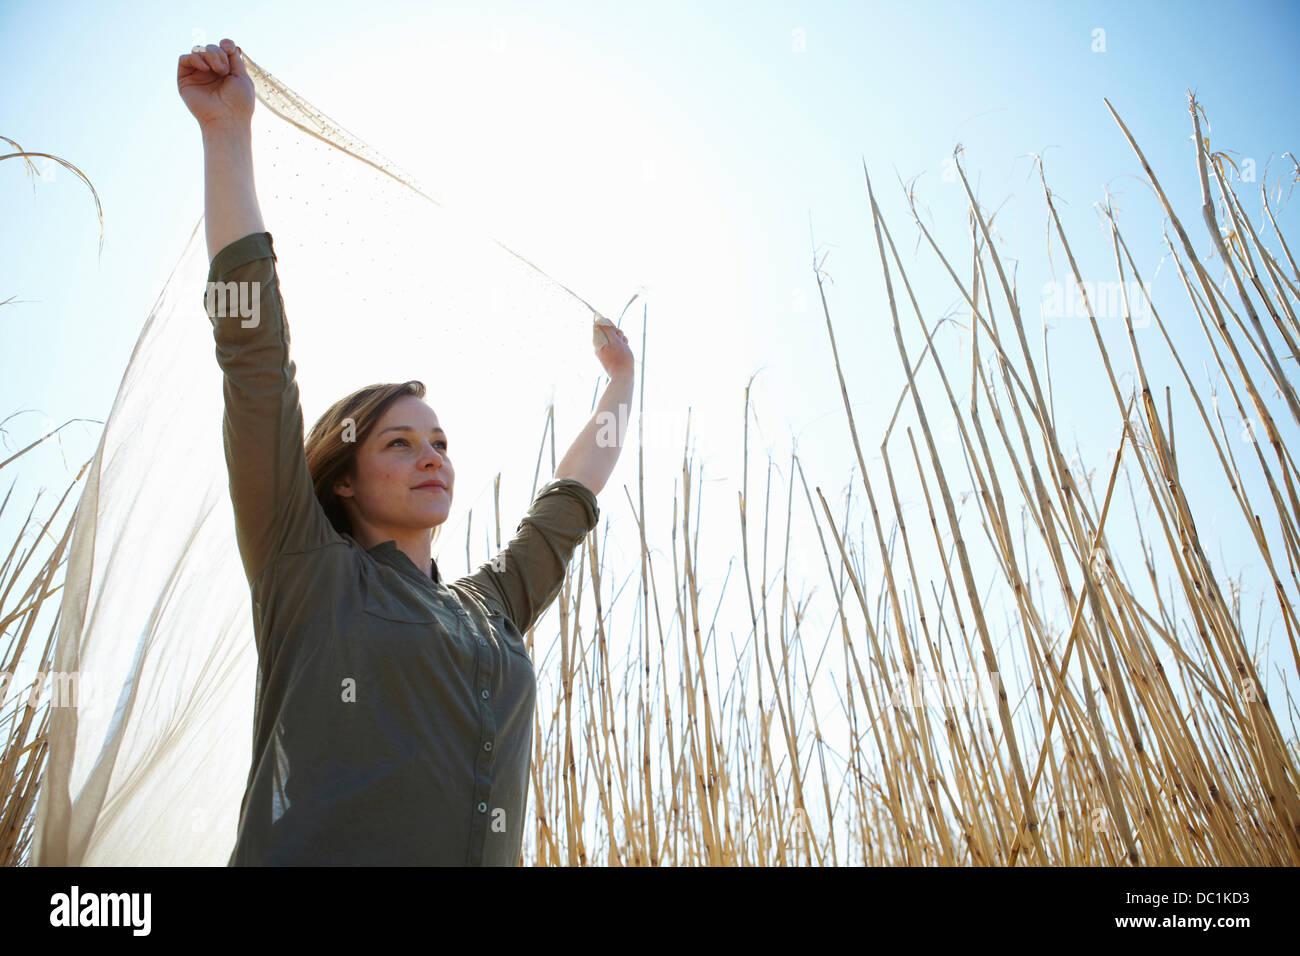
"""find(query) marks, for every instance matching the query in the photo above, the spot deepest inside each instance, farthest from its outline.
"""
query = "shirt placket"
(483, 764)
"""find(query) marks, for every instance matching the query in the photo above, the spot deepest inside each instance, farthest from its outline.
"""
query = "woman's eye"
(396, 440)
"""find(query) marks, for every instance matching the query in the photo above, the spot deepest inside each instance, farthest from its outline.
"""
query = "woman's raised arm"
(524, 578)
(217, 90)
(594, 453)
(276, 510)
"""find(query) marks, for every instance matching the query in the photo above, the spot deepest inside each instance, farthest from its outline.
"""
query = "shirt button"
(488, 745)
(485, 695)
(482, 808)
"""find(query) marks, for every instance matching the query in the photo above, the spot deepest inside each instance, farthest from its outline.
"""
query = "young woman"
(394, 711)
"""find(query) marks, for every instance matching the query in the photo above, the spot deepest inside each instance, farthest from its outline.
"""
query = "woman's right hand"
(215, 85)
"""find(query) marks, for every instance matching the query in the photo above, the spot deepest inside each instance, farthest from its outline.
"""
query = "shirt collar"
(392, 554)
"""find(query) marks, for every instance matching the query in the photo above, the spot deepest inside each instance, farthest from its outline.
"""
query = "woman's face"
(403, 454)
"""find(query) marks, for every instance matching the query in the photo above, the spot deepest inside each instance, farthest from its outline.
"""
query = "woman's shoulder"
(333, 565)
(474, 598)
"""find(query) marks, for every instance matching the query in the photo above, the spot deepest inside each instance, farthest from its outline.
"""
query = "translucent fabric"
(381, 283)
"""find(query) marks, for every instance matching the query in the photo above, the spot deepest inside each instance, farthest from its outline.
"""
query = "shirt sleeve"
(275, 505)
(525, 577)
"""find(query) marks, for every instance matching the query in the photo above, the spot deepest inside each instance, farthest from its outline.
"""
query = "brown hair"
(332, 444)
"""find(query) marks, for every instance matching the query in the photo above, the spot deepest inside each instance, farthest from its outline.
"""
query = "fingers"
(211, 57)
(225, 59)
(235, 58)
(607, 326)
(195, 60)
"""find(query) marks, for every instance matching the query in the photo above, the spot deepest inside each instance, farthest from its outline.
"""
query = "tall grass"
(31, 575)
(1140, 734)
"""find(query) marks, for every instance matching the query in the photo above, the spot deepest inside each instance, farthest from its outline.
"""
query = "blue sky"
(734, 145)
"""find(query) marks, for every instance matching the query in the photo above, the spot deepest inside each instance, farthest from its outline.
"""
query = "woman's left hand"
(616, 356)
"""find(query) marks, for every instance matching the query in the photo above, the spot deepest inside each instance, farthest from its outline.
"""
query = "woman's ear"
(343, 487)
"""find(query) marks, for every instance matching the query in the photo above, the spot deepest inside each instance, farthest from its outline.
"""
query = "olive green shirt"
(393, 718)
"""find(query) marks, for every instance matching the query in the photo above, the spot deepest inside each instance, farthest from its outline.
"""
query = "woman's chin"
(433, 516)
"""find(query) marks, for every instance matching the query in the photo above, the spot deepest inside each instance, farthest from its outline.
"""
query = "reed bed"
(1138, 733)
(31, 578)
(31, 581)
